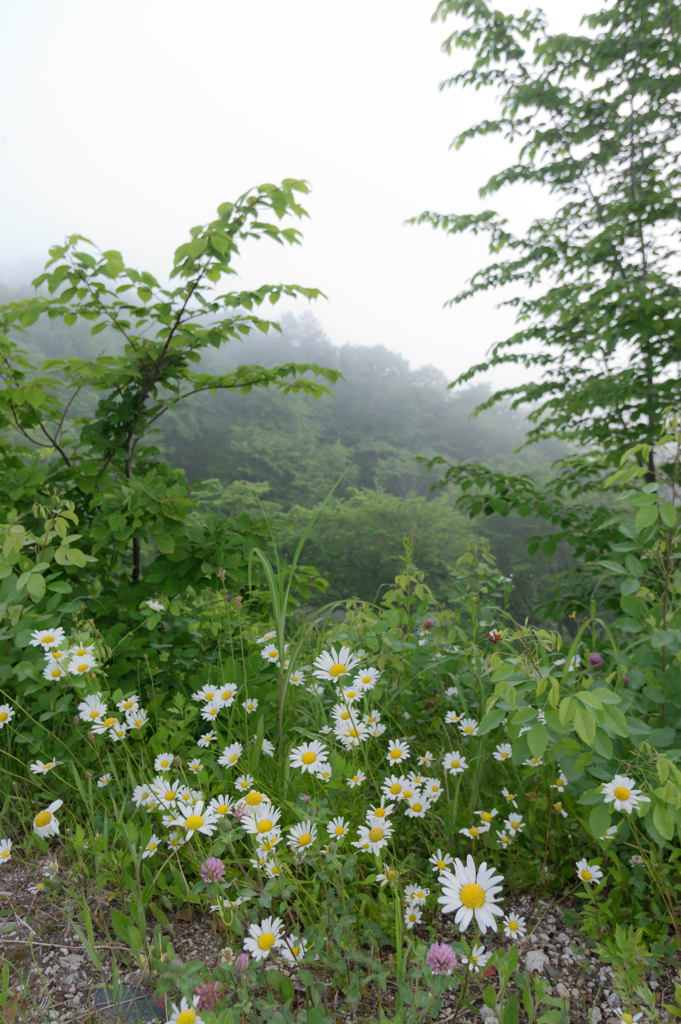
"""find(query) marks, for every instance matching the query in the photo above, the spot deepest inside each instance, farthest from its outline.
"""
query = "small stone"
(614, 1000)
(595, 1017)
(561, 991)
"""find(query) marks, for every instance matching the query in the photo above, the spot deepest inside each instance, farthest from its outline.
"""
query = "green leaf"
(589, 699)
(510, 1015)
(645, 516)
(668, 513)
(615, 721)
(166, 544)
(76, 557)
(585, 725)
(538, 739)
(663, 821)
(36, 586)
(599, 820)
(490, 721)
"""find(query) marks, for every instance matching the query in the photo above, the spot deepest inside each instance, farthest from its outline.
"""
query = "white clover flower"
(151, 847)
(207, 738)
(588, 872)
(45, 824)
(250, 706)
(263, 938)
(43, 767)
(229, 757)
(302, 835)
(79, 666)
(308, 755)
(104, 780)
(622, 794)
(338, 828)
(469, 727)
(5, 850)
(509, 796)
(331, 665)
(47, 638)
(412, 916)
(357, 779)
(471, 894)
(398, 750)
(374, 839)
(478, 958)
(454, 763)
(185, 1013)
(128, 704)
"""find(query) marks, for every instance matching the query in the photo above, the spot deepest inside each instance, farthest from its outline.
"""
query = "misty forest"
(333, 689)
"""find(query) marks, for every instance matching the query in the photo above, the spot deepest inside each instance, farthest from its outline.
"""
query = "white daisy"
(412, 916)
(156, 606)
(206, 694)
(207, 738)
(316, 689)
(368, 678)
(503, 837)
(220, 805)
(398, 751)
(471, 894)
(451, 717)
(118, 732)
(167, 793)
(302, 835)
(331, 665)
(622, 794)
(351, 735)
(266, 637)
(475, 831)
(533, 762)
(357, 779)
(514, 926)
(164, 762)
(104, 780)
(47, 638)
(195, 819)
(469, 727)
(323, 772)
(185, 1013)
(250, 706)
(267, 747)
(394, 785)
(440, 860)
(377, 730)
(103, 725)
(244, 782)
(92, 709)
(226, 696)
(45, 824)
(270, 653)
(451, 691)
(308, 755)
(454, 763)
(263, 938)
(128, 704)
(487, 816)
(297, 678)
(262, 820)
(609, 833)
(416, 894)
(151, 847)
(503, 752)
(338, 828)
(136, 719)
(194, 765)
(293, 949)
(43, 767)
(80, 650)
(79, 666)
(478, 958)
(515, 824)
(211, 710)
(560, 783)
(588, 872)
(389, 875)
(417, 806)
(54, 671)
(229, 757)
(509, 796)
(5, 850)
(426, 759)
(559, 809)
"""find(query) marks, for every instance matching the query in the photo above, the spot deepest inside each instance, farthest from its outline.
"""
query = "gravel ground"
(60, 982)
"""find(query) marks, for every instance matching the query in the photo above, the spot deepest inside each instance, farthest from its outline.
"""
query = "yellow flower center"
(186, 1017)
(94, 714)
(4, 854)
(339, 830)
(472, 895)
(83, 667)
(474, 832)
(352, 694)
(486, 816)
(353, 733)
(305, 839)
(379, 812)
(308, 757)
(109, 722)
(47, 640)
(366, 679)
(337, 670)
(621, 793)
(469, 728)
(419, 895)
(266, 940)
(254, 798)
(627, 1018)
(222, 809)
(455, 764)
(295, 950)
(418, 808)
(44, 818)
(50, 764)
(515, 824)
(55, 673)
(3, 716)
(151, 847)
(513, 925)
(441, 865)
(345, 715)
(505, 754)
(376, 835)
(558, 807)
(407, 794)
(193, 822)
(227, 694)
(585, 874)
(170, 795)
(274, 654)
(396, 753)
(165, 763)
(265, 825)
(395, 788)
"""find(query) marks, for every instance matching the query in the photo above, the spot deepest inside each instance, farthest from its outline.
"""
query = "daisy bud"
(90, 736)
(221, 575)
(237, 600)
(76, 720)
(88, 775)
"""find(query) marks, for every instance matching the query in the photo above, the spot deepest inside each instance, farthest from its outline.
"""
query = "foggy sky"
(130, 122)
